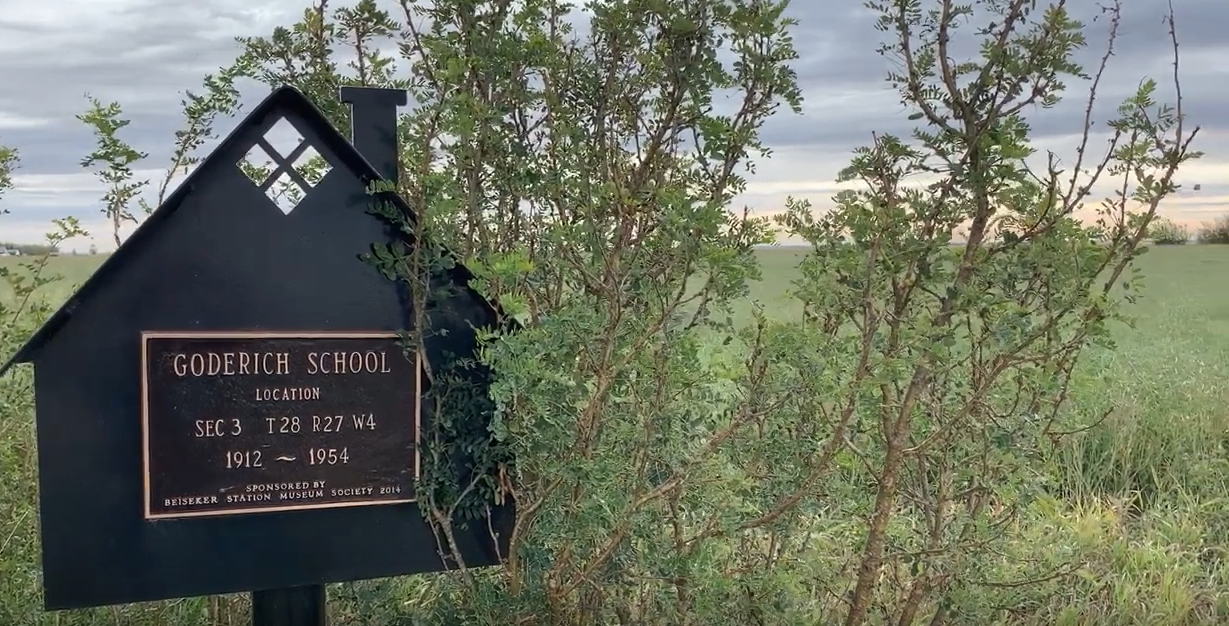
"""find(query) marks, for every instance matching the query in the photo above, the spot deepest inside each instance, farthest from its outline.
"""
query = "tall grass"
(1147, 490)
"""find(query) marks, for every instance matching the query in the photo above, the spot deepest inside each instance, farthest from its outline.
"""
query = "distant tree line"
(32, 249)
(1164, 231)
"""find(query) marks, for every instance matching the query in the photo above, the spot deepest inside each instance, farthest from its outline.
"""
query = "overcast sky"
(145, 53)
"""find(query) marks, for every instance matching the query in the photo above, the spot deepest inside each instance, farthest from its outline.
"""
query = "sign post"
(296, 606)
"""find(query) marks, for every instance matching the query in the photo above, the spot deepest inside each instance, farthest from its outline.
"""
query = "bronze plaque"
(256, 422)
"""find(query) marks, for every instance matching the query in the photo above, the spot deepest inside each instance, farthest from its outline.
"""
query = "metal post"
(296, 606)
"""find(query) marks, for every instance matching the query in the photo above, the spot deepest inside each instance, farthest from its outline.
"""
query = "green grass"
(73, 270)
(1164, 447)
(1165, 444)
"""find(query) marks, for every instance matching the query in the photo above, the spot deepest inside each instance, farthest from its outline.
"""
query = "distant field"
(1181, 329)
(1182, 320)
(1188, 277)
(778, 266)
(73, 269)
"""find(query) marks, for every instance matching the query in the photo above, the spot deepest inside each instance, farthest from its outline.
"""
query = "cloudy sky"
(144, 53)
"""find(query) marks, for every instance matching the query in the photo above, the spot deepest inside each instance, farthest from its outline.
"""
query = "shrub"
(1165, 232)
(1216, 231)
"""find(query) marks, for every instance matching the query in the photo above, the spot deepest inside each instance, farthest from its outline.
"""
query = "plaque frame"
(146, 335)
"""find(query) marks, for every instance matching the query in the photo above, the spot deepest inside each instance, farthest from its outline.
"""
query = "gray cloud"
(144, 53)
(141, 53)
(46, 151)
(838, 56)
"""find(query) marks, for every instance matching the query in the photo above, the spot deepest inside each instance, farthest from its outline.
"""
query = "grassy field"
(73, 269)
(1167, 438)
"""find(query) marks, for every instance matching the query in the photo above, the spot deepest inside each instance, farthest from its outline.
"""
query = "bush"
(1216, 231)
(1166, 232)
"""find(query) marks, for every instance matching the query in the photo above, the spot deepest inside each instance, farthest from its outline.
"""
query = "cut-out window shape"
(284, 166)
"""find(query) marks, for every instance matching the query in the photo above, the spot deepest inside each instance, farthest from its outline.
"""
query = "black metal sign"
(256, 422)
(248, 455)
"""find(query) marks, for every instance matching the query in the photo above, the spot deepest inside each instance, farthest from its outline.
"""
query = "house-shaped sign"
(225, 404)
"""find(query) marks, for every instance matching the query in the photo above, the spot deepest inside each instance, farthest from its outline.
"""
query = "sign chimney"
(373, 125)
